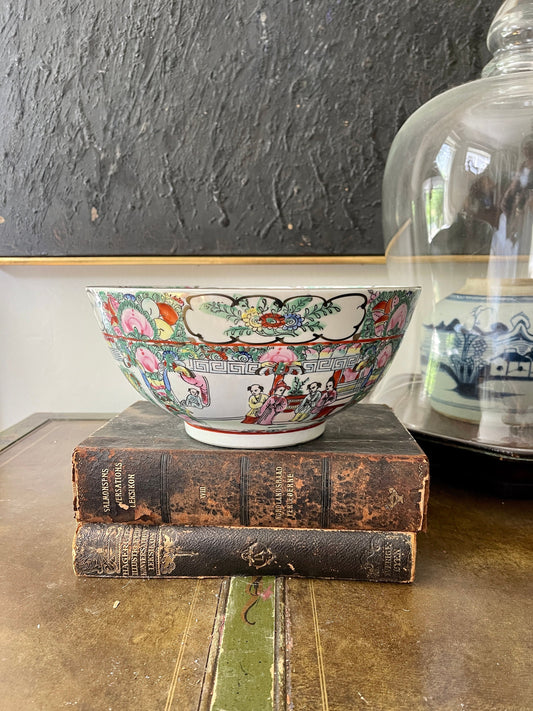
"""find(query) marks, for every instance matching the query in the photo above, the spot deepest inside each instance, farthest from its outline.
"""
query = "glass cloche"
(458, 219)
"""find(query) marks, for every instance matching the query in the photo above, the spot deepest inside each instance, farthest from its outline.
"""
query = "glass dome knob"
(510, 39)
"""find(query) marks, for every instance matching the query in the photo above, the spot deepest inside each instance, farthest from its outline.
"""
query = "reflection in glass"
(458, 219)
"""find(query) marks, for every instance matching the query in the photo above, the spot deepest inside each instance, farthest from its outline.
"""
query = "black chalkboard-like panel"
(201, 127)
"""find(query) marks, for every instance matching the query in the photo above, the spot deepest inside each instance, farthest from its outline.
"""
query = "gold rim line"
(208, 260)
(238, 344)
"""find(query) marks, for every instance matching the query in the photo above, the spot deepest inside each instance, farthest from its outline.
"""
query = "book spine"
(121, 550)
(268, 488)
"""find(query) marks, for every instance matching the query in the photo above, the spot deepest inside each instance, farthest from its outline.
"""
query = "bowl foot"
(250, 440)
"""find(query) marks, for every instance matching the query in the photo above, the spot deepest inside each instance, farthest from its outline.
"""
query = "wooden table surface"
(459, 638)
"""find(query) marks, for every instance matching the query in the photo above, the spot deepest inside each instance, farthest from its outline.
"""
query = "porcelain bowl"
(253, 367)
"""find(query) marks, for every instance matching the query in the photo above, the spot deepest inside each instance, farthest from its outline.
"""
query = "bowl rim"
(254, 289)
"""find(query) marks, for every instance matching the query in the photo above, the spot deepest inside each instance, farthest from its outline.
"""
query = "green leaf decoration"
(296, 304)
(254, 352)
(325, 309)
(238, 331)
(179, 332)
(227, 311)
(190, 352)
(316, 326)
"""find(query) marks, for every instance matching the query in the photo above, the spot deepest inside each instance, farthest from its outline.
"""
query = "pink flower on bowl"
(311, 354)
(384, 356)
(280, 360)
(132, 320)
(147, 360)
(279, 354)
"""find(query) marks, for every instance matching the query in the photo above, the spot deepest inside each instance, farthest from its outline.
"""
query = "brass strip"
(430, 258)
(149, 260)
(184, 638)
(320, 659)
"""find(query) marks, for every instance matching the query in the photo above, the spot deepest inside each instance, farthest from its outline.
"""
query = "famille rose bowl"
(253, 367)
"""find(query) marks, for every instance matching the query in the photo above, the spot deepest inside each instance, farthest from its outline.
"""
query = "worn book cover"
(459, 635)
(123, 550)
(364, 472)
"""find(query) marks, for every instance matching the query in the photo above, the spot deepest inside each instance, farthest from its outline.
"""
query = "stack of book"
(152, 502)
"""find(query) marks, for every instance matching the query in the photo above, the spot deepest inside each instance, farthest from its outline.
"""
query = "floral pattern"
(271, 316)
(268, 319)
(133, 321)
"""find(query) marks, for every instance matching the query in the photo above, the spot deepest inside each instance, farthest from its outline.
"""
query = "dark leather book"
(118, 550)
(364, 472)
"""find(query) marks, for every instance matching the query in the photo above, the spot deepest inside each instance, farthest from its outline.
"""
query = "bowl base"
(250, 440)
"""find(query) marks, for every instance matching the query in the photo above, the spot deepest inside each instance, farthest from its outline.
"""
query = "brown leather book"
(366, 472)
(460, 635)
(118, 550)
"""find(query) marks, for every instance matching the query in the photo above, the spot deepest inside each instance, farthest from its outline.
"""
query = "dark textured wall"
(192, 127)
